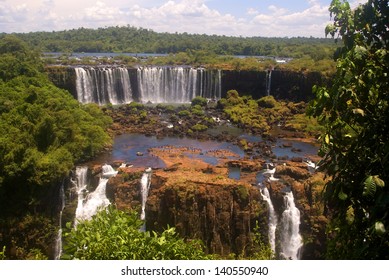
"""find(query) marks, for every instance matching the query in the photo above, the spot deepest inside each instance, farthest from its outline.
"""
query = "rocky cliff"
(287, 85)
(202, 202)
(199, 200)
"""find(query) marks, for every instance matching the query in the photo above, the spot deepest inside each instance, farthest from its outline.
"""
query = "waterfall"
(291, 240)
(89, 205)
(177, 84)
(145, 186)
(103, 85)
(312, 167)
(93, 202)
(272, 218)
(58, 241)
(268, 82)
(108, 171)
(81, 185)
(270, 171)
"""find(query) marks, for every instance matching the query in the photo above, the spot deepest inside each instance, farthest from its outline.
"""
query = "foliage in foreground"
(115, 235)
(355, 147)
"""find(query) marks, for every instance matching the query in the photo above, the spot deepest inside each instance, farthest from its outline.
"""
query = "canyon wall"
(203, 203)
(288, 85)
(222, 214)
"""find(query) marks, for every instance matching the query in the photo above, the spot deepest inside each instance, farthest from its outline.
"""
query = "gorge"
(190, 183)
(190, 189)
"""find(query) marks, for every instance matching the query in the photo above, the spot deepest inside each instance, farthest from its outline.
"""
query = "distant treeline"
(139, 40)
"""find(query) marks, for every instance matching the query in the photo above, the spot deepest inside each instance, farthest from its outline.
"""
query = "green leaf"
(342, 195)
(360, 52)
(378, 181)
(379, 228)
(350, 215)
(327, 139)
(369, 188)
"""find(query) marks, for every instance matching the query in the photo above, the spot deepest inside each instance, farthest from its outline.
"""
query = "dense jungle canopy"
(130, 39)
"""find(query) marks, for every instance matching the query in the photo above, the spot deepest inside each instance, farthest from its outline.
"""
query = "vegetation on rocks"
(262, 115)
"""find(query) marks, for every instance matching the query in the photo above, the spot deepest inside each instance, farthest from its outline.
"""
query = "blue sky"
(247, 18)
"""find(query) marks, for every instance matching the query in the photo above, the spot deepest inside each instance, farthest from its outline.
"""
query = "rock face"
(202, 202)
(222, 215)
(290, 85)
(199, 200)
(307, 188)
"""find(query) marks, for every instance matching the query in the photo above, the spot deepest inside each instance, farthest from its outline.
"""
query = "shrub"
(184, 113)
(114, 235)
(198, 100)
(199, 127)
(267, 102)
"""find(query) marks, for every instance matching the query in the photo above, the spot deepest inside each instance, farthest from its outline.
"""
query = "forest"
(44, 132)
(212, 51)
(128, 39)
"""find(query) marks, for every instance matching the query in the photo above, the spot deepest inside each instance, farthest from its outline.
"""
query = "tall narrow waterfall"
(177, 84)
(58, 242)
(89, 205)
(81, 185)
(272, 218)
(103, 85)
(144, 189)
(268, 82)
(291, 240)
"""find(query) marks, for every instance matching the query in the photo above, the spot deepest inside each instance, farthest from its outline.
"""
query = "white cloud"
(308, 22)
(102, 12)
(12, 14)
(252, 12)
(182, 16)
(192, 16)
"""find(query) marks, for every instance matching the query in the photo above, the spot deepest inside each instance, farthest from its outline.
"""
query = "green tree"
(115, 235)
(44, 131)
(355, 147)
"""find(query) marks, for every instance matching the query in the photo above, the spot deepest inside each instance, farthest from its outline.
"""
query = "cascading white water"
(272, 218)
(58, 241)
(155, 84)
(291, 240)
(270, 169)
(81, 185)
(108, 171)
(145, 186)
(268, 82)
(89, 205)
(93, 202)
(177, 84)
(103, 85)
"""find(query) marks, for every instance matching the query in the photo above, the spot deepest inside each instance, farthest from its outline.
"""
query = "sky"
(246, 18)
